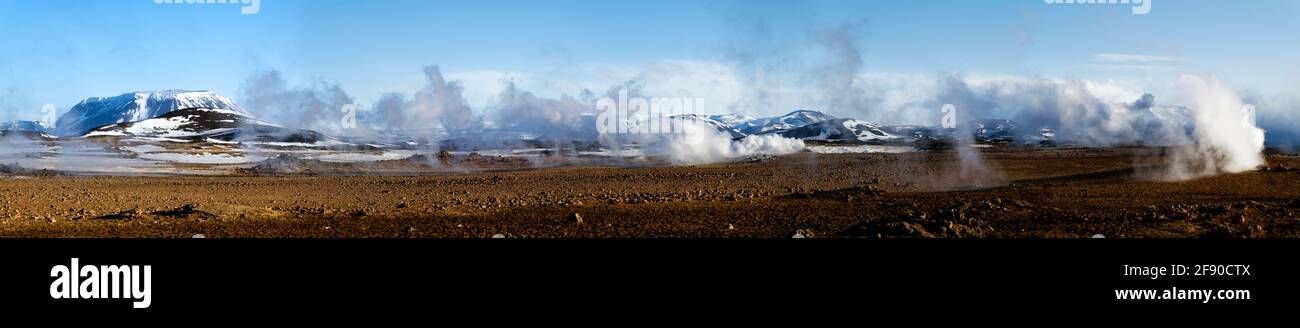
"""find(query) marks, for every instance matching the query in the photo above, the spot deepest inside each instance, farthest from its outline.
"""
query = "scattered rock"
(1219, 231)
(16, 170)
(575, 218)
(1213, 209)
(284, 164)
(123, 215)
(849, 194)
(888, 229)
(1277, 168)
(760, 158)
(958, 226)
(185, 211)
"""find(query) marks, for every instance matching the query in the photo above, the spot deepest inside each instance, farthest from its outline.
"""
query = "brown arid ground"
(1023, 193)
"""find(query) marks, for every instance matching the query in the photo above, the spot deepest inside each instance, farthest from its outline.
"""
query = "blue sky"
(59, 52)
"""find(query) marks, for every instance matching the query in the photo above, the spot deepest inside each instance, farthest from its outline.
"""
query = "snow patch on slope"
(137, 106)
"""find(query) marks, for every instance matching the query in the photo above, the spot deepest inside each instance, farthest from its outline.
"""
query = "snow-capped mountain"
(998, 131)
(1181, 116)
(918, 133)
(994, 130)
(137, 106)
(1161, 125)
(840, 130)
(23, 126)
(734, 120)
(709, 121)
(27, 129)
(789, 121)
(207, 124)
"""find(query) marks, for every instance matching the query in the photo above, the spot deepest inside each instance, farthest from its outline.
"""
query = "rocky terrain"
(1072, 193)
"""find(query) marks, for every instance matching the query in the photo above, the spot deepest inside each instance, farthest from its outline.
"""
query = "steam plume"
(1226, 141)
(269, 96)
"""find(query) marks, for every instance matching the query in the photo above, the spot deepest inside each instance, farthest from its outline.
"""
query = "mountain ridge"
(96, 112)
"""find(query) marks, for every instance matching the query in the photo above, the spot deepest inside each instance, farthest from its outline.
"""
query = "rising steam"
(1205, 127)
(269, 96)
(441, 101)
(1225, 137)
(704, 144)
(561, 118)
